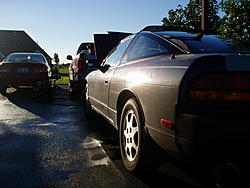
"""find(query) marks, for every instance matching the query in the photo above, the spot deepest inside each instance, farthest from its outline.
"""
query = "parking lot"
(51, 144)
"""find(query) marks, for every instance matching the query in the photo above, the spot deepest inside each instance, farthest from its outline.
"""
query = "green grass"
(63, 81)
(65, 71)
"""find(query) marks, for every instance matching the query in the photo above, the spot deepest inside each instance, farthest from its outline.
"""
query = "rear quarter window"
(149, 45)
(212, 44)
(146, 47)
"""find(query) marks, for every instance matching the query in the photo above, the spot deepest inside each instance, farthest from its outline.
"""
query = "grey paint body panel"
(152, 81)
(155, 82)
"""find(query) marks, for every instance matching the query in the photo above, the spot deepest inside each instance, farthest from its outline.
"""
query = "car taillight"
(221, 87)
(81, 62)
(4, 70)
(41, 69)
(80, 66)
(81, 59)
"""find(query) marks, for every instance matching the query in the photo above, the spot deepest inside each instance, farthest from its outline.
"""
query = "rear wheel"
(46, 92)
(135, 145)
(3, 89)
(73, 91)
(77, 88)
(228, 175)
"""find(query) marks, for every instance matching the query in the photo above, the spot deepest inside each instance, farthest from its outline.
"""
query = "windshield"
(211, 44)
(83, 48)
(24, 58)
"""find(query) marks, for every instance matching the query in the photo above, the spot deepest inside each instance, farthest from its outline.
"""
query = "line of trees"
(235, 22)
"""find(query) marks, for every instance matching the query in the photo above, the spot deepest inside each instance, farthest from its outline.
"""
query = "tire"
(49, 93)
(89, 112)
(77, 89)
(73, 93)
(3, 89)
(228, 175)
(135, 145)
(46, 93)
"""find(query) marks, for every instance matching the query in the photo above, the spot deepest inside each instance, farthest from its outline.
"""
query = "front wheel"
(89, 112)
(134, 142)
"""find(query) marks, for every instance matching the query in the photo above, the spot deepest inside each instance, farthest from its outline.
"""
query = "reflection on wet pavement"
(51, 144)
(45, 142)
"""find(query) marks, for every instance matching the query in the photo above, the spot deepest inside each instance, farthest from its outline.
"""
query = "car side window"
(116, 54)
(147, 47)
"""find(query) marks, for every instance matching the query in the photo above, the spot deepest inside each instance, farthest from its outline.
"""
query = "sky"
(59, 26)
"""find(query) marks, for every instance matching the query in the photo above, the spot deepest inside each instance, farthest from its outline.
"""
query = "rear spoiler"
(104, 43)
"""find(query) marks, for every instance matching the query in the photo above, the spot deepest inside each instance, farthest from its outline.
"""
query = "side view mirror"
(69, 57)
(104, 68)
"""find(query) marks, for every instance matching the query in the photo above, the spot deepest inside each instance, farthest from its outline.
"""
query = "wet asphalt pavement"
(51, 144)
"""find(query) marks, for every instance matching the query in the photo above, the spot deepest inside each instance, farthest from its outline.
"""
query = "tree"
(213, 17)
(236, 22)
(176, 20)
(189, 17)
(55, 69)
(193, 15)
(56, 58)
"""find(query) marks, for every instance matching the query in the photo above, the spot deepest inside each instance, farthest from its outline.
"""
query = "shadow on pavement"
(66, 126)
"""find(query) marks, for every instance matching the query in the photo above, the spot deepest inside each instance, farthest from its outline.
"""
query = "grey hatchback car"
(185, 92)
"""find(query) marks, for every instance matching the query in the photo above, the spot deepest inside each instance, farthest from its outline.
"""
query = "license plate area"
(23, 69)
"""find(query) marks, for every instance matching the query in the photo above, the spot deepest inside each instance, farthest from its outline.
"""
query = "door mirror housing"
(104, 68)
(69, 57)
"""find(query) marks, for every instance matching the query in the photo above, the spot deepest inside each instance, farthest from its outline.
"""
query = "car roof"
(178, 34)
(25, 53)
(83, 46)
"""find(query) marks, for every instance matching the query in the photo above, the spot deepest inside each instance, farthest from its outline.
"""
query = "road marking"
(89, 144)
(92, 148)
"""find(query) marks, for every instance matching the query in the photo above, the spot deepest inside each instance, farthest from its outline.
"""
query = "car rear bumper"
(24, 80)
(214, 132)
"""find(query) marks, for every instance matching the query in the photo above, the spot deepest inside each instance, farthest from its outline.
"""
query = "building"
(18, 41)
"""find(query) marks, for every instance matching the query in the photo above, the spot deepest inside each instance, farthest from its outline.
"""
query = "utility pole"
(204, 18)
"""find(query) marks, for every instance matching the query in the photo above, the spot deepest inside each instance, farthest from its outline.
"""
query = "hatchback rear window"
(23, 58)
(210, 44)
(215, 43)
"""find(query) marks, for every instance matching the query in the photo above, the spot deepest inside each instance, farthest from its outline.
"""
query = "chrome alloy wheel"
(131, 135)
